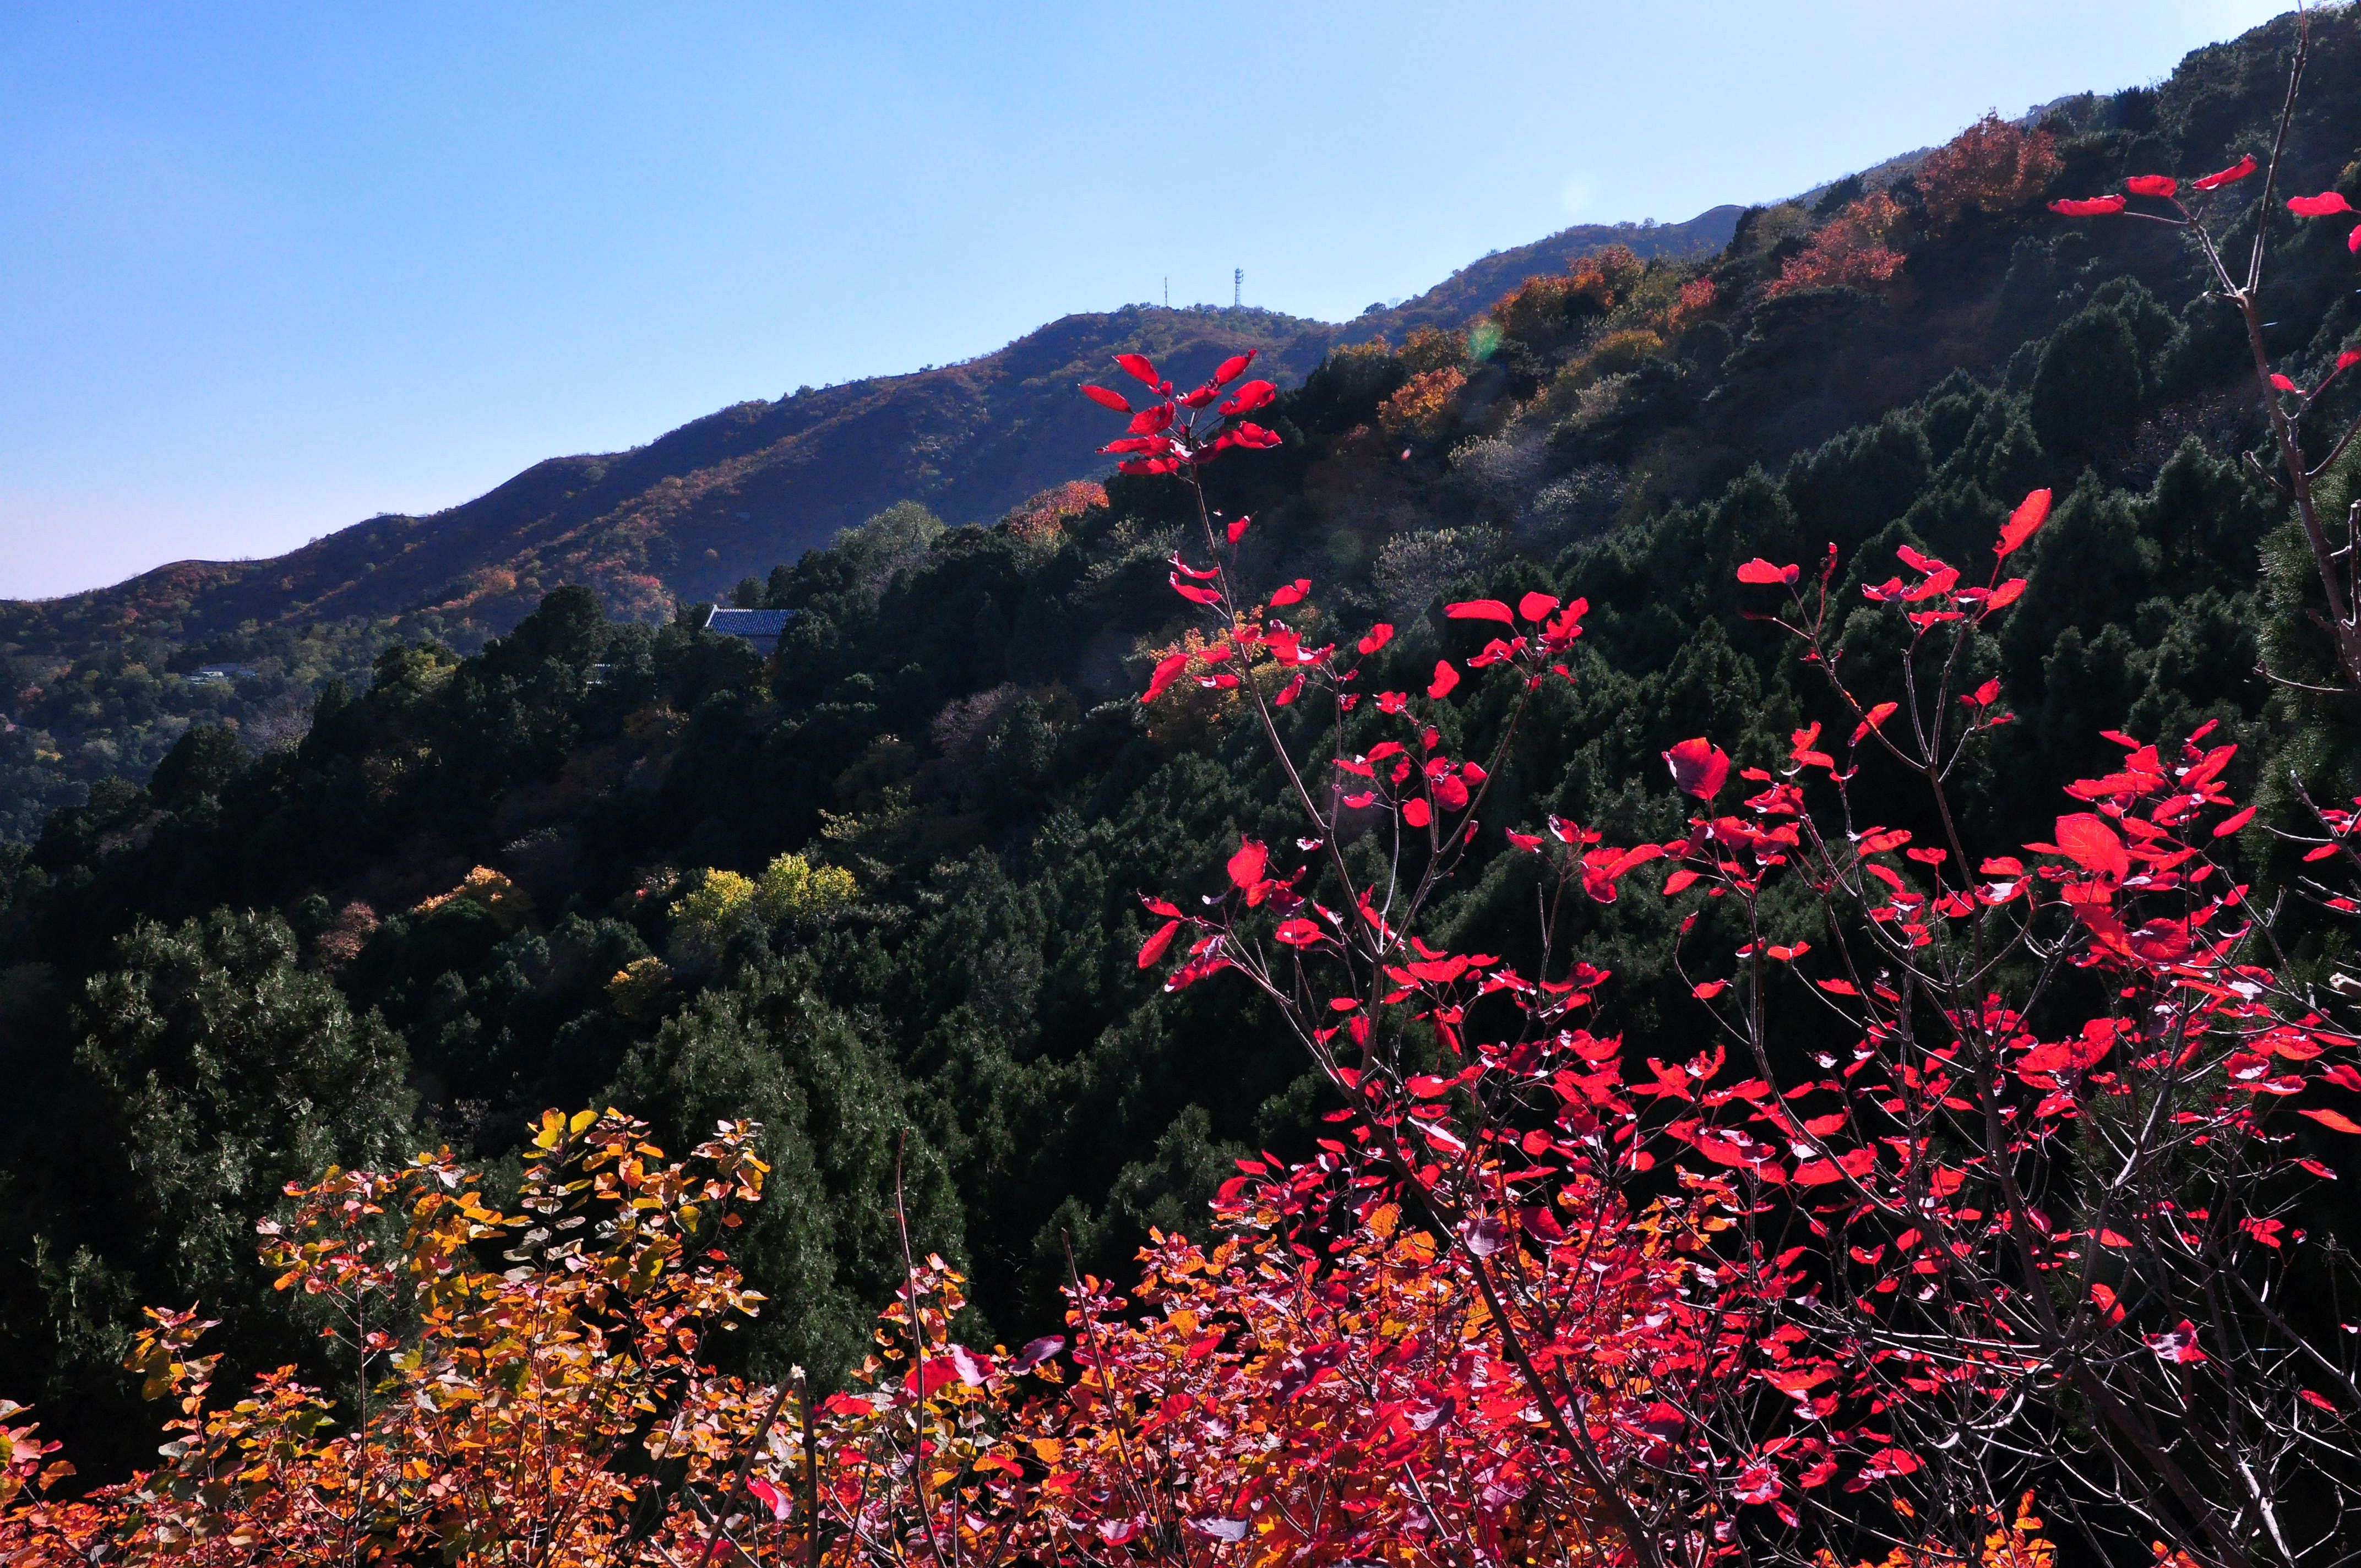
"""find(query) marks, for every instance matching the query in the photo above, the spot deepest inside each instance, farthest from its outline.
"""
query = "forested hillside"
(94, 686)
(886, 883)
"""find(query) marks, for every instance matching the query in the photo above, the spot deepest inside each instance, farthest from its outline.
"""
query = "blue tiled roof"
(749, 622)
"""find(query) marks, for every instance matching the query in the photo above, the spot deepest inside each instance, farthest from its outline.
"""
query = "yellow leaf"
(1049, 1450)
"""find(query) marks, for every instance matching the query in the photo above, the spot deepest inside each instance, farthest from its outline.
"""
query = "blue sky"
(266, 270)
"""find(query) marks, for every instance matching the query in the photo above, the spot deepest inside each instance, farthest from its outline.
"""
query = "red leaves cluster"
(1909, 1297)
(1854, 249)
(1164, 436)
(1993, 166)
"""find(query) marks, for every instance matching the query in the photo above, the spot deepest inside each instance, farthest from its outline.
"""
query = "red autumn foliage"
(1850, 250)
(1977, 1163)
(1993, 166)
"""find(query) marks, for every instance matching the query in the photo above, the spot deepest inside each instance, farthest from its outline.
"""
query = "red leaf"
(1710, 990)
(1153, 948)
(1537, 606)
(1109, 398)
(2352, 240)
(2179, 1346)
(2284, 383)
(1445, 677)
(1481, 610)
(2030, 514)
(1167, 669)
(1252, 396)
(770, 1496)
(1195, 593)
(1416, 813)
(2152, 185)
(1232, 367)
(1238, 529)
(1379, 635)
(1292, 593)
(2088, 206)
(1875, 719)
(1761, 571)
(1141, 368)
(1245, 867)
(1298, 933)
(1253, 435)
(2335, 1121)
(2229, 176)
(2326, 205)
(1699, 767)
(2350, 356)
(2108, 1307)
(2232, 822)
(972, 1369)
(2092, 845)
(1294, 690)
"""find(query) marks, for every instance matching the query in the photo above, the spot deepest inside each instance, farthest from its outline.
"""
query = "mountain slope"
(95, 685)
(1474, 287)
(961, 734)
(687, 515)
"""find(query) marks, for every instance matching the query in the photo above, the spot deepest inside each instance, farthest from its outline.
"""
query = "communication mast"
(1237, 286)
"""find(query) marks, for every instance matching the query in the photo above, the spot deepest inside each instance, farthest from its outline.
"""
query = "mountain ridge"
(683, 516)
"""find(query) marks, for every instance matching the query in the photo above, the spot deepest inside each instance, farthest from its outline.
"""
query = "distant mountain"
(735, 492)
(739, 491)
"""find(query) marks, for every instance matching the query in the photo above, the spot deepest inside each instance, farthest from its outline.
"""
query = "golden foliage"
(2017, 1543)
(792, 888)
(1189, 714)
(1619, 353)
(490, 891)
(520, 1370)
(1421, 408)
(637, 989)
(1430, 349)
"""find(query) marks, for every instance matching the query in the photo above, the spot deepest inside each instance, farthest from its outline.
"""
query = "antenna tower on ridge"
(1168, 292)
(1237, 286)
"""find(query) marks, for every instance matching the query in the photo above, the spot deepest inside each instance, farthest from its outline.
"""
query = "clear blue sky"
(266, 270)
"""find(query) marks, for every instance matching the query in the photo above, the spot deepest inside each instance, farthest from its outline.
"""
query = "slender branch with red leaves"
(2001, 1196)
(1981, 1176)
